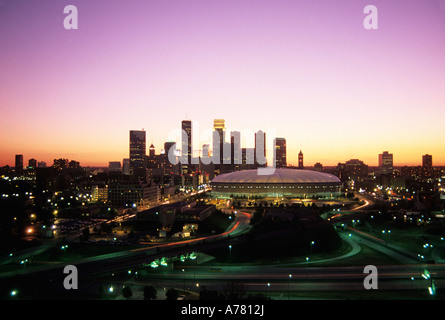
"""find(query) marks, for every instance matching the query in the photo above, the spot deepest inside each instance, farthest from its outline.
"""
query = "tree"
(127, 292)
(100, 290)
(235, 290)
(150, 293)
(172, 294)
(86, 232)
(257, 215)
(210, 295)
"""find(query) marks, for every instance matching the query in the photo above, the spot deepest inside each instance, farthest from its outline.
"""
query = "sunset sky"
(307, 70)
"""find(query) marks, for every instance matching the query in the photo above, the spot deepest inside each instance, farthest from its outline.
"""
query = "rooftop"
(280, 175)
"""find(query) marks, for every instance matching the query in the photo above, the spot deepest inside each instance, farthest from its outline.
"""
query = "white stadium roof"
(280, 176)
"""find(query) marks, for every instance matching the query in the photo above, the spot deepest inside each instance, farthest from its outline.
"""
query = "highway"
(303, 276)
(395, 280)
(132, 258)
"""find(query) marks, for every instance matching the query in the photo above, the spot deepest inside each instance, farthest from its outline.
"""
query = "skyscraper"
(219, 132)
(280, 159)
(19, 164)
(137, 150)
(235, 148)
(220, 126)
(427, 166)
(151, 151)
(260, 148)
(167, 146)
(32, 163)
(427, 161)
(186, 149)
(386, 163)
(126, 166)
(300, 160)
(205, 150)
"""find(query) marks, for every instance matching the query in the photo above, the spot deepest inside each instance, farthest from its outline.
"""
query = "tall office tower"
(151, 151)
(280, 159)
(386, 163)
(126, 166)
(427, 166)
(205, 150)
(32, 163)
(235, 148)
(300, 160)
(19, 163)
(186, 149)
(167, 146)
(137, 150)
(260, 148)
(227, 158)
(219, 136)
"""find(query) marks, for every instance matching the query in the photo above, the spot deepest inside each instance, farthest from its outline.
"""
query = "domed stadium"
(289, 183)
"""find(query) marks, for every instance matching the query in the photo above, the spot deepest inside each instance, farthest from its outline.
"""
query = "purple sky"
(307, 69)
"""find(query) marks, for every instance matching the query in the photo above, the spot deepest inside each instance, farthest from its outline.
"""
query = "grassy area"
(77, 251)
(366, 256)
(408, 236)
(279, 241)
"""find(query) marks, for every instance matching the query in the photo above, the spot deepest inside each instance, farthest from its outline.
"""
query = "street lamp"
(310, 246)
(24, 262)
(230, 252)
(184, 278)
(288, 286)
(64, 249)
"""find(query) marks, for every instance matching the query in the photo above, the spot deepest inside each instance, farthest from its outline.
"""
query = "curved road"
(129, 258)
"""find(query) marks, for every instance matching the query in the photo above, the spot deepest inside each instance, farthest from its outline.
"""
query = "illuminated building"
(290, 183)
(186, 149)
(60, 164)
(132, 194)
(427, 166)
(32, 163)
(219, 132)
(137, 150)
(260, 148)
(280, 153)
(386, 163)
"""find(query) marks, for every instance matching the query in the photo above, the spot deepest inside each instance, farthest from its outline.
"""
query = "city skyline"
(310, 71)
(138, 137)
(197, 148)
